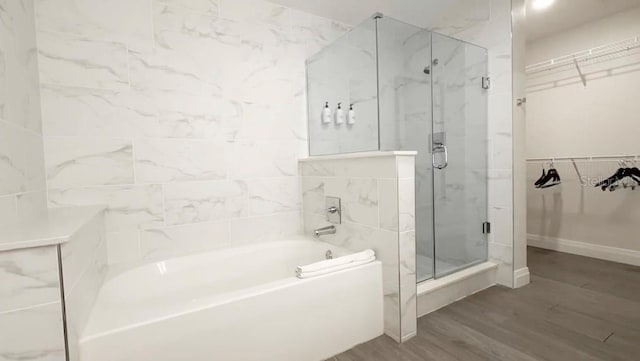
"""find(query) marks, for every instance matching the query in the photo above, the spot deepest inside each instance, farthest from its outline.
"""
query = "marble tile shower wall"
(186, 118)
(22, 181)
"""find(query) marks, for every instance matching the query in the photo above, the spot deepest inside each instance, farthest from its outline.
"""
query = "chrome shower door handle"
(440, 148)
(333, 210)
(446, 157)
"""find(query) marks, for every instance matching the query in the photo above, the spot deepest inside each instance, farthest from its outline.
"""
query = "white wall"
(566, 119)
(185, 117)
(605, 30)
(22, 184)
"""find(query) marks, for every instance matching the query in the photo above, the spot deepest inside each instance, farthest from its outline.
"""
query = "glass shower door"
(459, 153)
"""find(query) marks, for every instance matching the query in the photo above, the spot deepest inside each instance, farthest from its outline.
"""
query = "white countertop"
(50, 227)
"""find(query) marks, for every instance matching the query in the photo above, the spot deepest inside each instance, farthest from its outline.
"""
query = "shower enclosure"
(413, 89)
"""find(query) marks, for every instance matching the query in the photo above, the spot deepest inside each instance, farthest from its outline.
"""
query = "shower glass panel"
(416, 90)
(459, 146)
(344, 72)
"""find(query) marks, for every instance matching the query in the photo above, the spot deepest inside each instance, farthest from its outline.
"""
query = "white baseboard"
(614, 254)
(521, 277)
(408, 337)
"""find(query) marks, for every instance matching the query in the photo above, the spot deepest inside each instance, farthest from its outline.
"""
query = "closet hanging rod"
(585, 55)
(595, 157)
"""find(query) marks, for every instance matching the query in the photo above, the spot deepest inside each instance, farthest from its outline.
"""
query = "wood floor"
(575, 308)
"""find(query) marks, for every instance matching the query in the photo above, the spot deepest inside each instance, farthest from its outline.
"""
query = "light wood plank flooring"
(575, 308)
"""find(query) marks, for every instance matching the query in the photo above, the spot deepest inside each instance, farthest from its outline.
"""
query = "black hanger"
(620, 173)
(634, 173)
(552, 178)
(628, 173)
(539, 181)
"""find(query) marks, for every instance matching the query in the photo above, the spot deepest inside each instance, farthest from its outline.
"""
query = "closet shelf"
(586, 56)
(595, 157)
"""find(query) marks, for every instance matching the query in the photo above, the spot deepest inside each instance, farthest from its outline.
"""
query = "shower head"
(427, 69)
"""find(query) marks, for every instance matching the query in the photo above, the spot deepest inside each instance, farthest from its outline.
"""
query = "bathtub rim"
(228, 298)
(93, 332)
(118, 269)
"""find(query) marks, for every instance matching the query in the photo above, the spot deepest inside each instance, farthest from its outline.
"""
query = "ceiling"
(423, 13)
(350, 12)
(567, 14)
(562, 15)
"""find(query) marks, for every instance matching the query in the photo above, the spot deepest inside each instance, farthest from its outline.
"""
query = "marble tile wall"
(407, 247)
(182, 117)
(22, 181)
(84, 267)
(378, 212)
(30, 308)
(31, 324)
(33, 281)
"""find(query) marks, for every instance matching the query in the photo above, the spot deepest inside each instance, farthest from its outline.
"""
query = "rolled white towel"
(341, 267)
(330, 263)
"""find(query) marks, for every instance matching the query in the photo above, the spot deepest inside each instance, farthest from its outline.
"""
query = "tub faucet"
(324, 230)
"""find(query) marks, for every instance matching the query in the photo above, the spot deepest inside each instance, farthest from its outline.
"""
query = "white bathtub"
(235, 304)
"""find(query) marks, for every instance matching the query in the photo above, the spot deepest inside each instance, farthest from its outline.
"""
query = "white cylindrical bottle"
(351, 115)
(339, 114)
(326, 113)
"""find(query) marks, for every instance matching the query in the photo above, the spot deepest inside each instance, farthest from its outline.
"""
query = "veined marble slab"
(49, 227)
(35, 334)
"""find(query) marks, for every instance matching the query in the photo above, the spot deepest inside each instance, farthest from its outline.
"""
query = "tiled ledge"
(359, 155)
(50, 227)
(377, 192)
